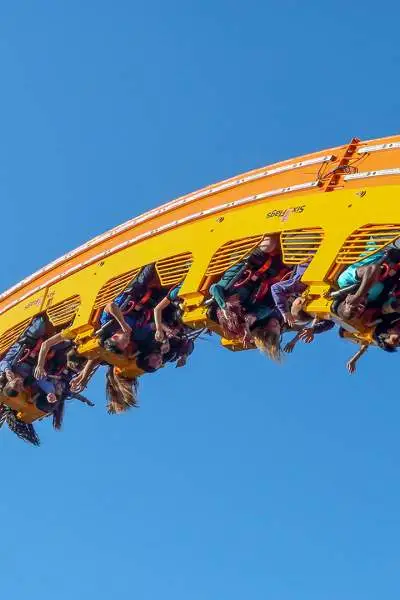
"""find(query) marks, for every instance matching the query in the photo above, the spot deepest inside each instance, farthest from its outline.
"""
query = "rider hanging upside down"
(48, 389)
(368, 274)
(246, 285)
(18, 364)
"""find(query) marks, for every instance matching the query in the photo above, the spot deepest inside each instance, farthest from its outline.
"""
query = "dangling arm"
(79, 382)
(115, 311)
(44, 350)
(351, 365)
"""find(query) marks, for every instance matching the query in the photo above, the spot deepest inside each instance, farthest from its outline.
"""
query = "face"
(269, 243)
(17, 384)
(121, 340)
(155, 360)
(165, 347)
(352, 311)
(274, 326)
(393, 338)
(233, 302)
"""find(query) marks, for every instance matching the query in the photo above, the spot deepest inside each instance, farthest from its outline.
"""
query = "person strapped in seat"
(245, 285)
(19, 362)
(369, 274)
(131, 309)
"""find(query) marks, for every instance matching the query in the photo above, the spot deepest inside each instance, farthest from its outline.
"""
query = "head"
(232, 319)
(297, 309)
(117, 343)
(269, 243)
(121, 392)
(348, 311)
(9, 391)
(14, 387)
(75, 362)
(384, 345)
(392, 338)
(150, 362)
(268, 339)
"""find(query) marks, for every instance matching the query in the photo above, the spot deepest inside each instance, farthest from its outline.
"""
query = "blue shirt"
(46, 385)
(10, 362)
(119, 300)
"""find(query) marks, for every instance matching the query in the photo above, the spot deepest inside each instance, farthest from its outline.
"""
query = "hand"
(78, 383)
(247, 339)
(351, 366)
(289, 319)
(169, 331)
(165, 346)
(307, 335)
(51, 398)
(289, 347)
(353, 299)
(181, 362)
(159, 335)
(39, 372)
(127, 331)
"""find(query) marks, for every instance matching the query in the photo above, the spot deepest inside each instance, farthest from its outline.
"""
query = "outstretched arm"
(283, 289)
(81, 398)
(114, 310)
(291, 345)
(369, 274)
(78, 383)
(9, 360)
(158, 311)
(316, 327)
(351, 365)
(44, 350)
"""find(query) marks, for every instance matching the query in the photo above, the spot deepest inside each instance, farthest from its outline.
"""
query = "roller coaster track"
(328, 203)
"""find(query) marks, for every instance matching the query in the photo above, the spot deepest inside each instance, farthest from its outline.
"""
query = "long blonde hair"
(121, 392)
(269, 343)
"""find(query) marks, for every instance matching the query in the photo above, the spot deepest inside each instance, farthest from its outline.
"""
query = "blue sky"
(236, 478)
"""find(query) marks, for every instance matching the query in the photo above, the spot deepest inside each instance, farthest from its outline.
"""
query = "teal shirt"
(350, 277)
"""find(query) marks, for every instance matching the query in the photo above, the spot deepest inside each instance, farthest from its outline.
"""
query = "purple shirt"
(282, 290)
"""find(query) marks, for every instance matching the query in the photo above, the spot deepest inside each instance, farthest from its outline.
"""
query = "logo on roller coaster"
(36, 302)
(285, 214)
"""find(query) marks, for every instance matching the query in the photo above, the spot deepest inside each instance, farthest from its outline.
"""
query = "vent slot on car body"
(114, 287)
(11, 335)
(173, 270)
(64, 311)
(366, 241)
(231, 253)
(300, 245)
